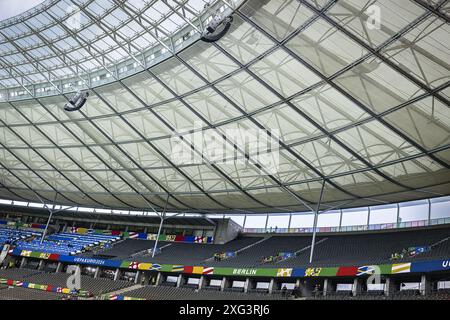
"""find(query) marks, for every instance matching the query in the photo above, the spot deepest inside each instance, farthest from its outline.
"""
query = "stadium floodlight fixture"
(217, 27)
(77, 101)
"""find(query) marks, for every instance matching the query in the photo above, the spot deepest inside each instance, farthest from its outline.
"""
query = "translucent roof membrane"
(351, 93)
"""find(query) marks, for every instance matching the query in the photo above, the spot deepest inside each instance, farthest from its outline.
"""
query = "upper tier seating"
(330, 250)
(66, 243)
(188, 253)
(9, 235)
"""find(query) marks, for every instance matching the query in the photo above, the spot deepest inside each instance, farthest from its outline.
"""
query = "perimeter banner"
(407, 267)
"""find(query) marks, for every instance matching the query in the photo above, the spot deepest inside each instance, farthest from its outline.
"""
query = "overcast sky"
(10, 8)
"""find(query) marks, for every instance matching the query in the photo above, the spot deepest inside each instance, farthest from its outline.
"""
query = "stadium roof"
(340, 97)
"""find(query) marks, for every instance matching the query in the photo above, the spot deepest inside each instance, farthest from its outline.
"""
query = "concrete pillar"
(91, 226)
(201, 283)
(389, 287)
(59, 267)
(271, 285)
(97, 273)
(117, 274)
(328, 286)
(246, 285)
(136, 278)
(41, 265)
(356, 288)
(224, 284)
(159, 279)
(180, 280)
(126, 228)
(23, 262)
(425, 285)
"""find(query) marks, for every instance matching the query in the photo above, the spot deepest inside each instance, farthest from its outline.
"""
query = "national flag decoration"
(151, 236)
(312, 272)
(401, 267)
(346, 271)
(199, 239)
(365, 270)
(144, 266)
(133, 235)
(3, 281)
(208, 270)
(19, 283)
(177, 268)
(283, 272)
(113, 297)
(188, 269)
(26, 253)
(59, 289)
(155, 266)
(134, 265)
(44, 255)
(170, 237)
(197, 270)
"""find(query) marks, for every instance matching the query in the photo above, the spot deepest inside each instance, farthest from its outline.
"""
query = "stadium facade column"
(327, 286)
(429, 210)
(425, 285)
(356, 288)
(180, 280)
(59, 267)
(316, 218)
(224, 283)
(159, 279)
(41, 265)
(97, 272)
(246, 285)
(23, 262)
(271, 285)
(389, 286)
(136, 277)
(201, 283)
(117, 274)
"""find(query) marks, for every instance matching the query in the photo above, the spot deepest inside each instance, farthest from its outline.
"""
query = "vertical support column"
(316, 217)
(425, 285)
(136, 278)
(41, 265)
(180, 280)
(325, 286)
(97, 273)
(429, 211)
(398, 215)
(117, 274)
(389, 287)
(340, 219)
(368, 217)
(223, 284)
(290, 219)
(23, 262)
(201, 283)
(267, 221)
(59, 267)
(271, 285)
(356, 289)
(245, 220)
(159, 279)
(246, 285)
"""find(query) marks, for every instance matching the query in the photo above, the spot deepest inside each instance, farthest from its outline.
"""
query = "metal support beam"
(316, 217)
(162, 217)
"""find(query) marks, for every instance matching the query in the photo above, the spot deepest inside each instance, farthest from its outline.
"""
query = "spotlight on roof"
(217, 28)
(77, 101)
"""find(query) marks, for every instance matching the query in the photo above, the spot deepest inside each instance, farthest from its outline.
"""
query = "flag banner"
(401, 268)
(177, 268)
(365, 271)
(284, 272)
(428, 266)
(347, 271)
(313, 272)
(188, 269)
(208, 270)
(197, 270)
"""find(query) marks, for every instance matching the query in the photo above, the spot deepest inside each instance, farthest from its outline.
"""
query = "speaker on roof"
(77, 101)
(217, 28)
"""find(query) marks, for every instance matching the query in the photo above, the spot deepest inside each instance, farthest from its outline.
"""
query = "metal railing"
(370, 227)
